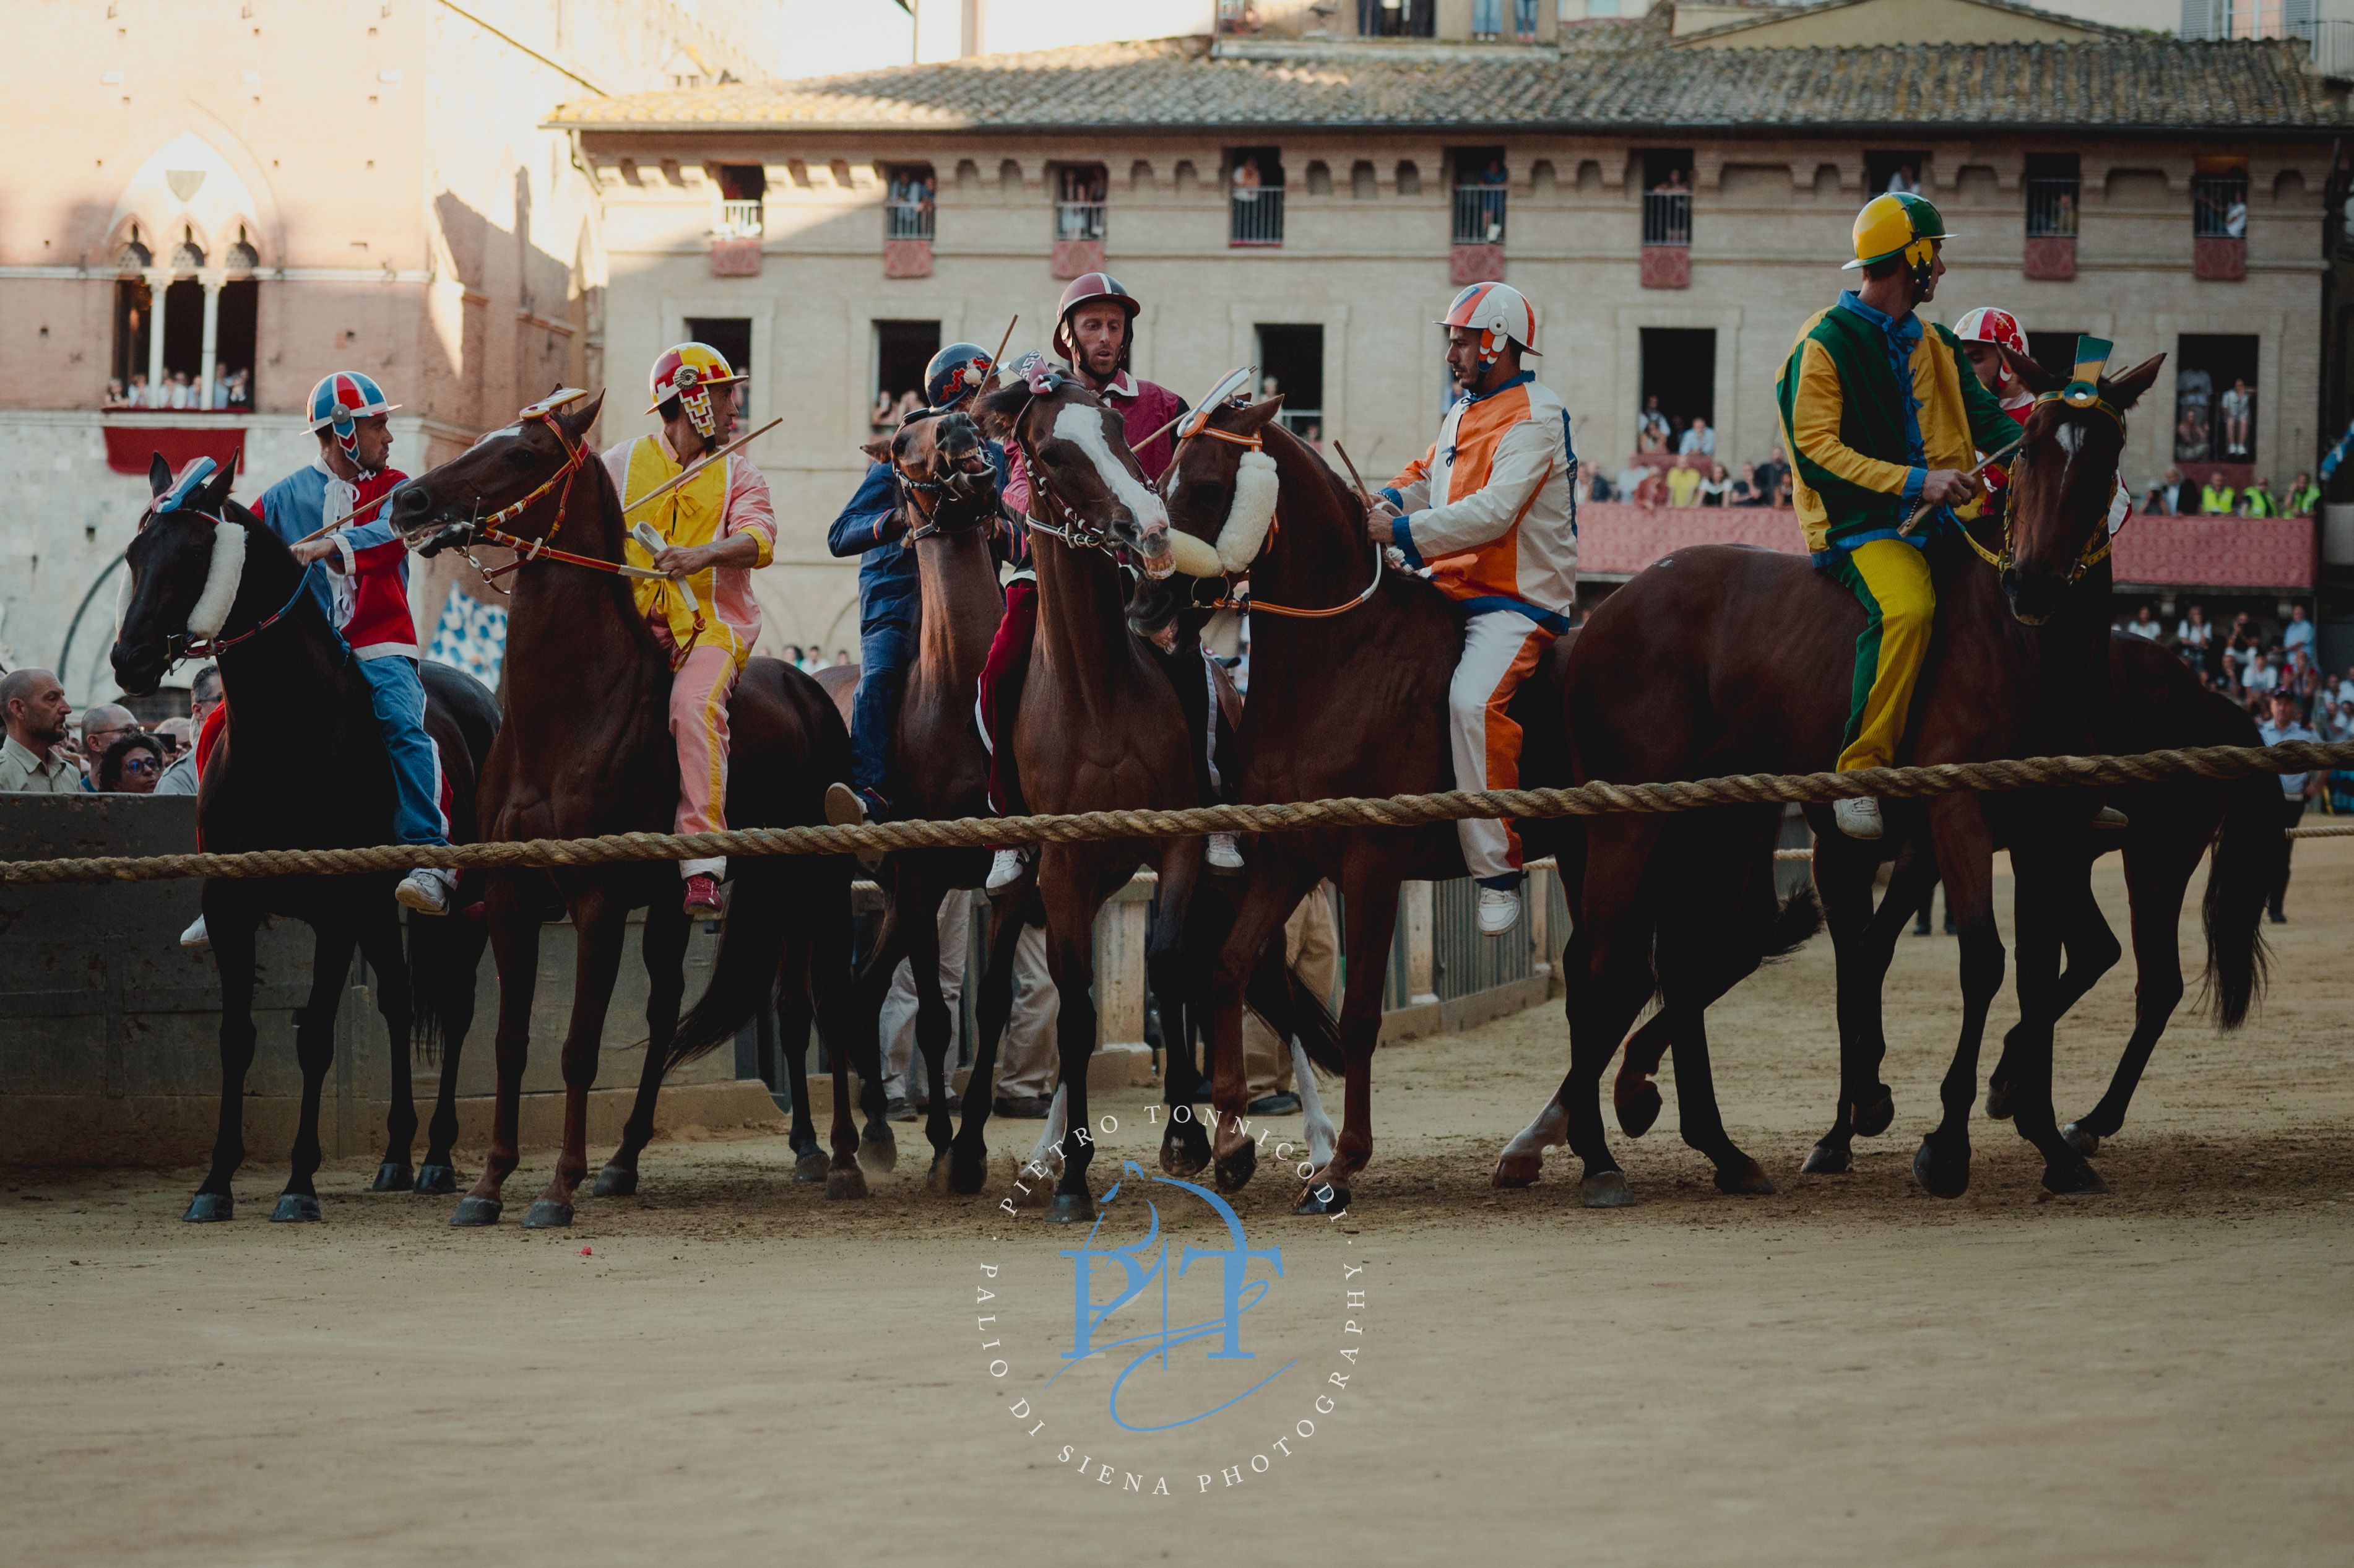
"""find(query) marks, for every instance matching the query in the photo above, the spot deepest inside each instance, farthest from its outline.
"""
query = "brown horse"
(586, 751)
(300, 712)
(1727, 661)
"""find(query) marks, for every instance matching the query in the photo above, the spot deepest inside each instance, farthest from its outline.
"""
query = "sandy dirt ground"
(735, 1371)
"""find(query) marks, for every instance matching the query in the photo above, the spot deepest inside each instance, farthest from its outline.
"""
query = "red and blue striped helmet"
(343, 398)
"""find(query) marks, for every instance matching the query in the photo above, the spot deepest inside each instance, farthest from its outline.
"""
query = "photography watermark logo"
(1167, 1352)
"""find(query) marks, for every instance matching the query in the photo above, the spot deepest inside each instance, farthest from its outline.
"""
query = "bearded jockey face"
(1099, 330)
(372, 440)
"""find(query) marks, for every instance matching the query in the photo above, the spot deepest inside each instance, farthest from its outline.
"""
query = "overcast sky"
(829, 36)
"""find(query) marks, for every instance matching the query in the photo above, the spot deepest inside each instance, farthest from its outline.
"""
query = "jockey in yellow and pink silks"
(716, 529)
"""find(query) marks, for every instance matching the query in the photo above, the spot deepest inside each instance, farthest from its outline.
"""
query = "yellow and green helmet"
(1898, 224)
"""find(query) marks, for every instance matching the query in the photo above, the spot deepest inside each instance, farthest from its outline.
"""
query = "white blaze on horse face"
(1083, 426)
(221, 576)
(1253, 509)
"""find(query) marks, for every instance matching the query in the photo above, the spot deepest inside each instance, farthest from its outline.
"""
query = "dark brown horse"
(300, 713)
(586, 751)
(1725, 661)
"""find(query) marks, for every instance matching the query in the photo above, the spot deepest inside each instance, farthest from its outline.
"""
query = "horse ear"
(159, 474)
(213, 494)
(1256, 417)
(2031, 373)
(581, 414)
(879, 448)
(2125, 390)
(996, 411)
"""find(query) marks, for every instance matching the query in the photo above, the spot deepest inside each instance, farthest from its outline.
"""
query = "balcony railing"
(1667, 218)
(1256, 216)
(908, 220)
(2219, 207)
(1479, 215)
(2052, 209)
(1079, 220)
(739, 219)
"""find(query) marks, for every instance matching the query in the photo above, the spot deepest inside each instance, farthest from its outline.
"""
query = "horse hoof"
(1071, 1209)
(209, 1208)
(848, 1183)
(938, 1178)
(968, 1170)
(434, 1180)
(1826, 1160)
(1997, 1103)
(1939, 1176)
(474, 1214)
(2073, 1178)
(548, 1214)
(1640, 1109)
(877, 1150)
(615, 1181)
(1747, 1180)
(1323, 1198)
(1606, 1190)
(393, 1178)
(1872, 1120)
(1517, 1170)
(2083, 1142)
(1185, 1149)
(811, 1165)
(1236, 1169)
(295, 1209)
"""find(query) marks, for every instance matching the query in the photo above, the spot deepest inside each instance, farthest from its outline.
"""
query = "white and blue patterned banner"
(473, 637)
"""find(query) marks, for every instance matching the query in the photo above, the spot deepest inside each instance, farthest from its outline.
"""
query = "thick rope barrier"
(1301, 816)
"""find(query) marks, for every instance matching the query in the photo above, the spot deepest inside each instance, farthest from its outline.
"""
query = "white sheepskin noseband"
(1241, 539)
(220, 581)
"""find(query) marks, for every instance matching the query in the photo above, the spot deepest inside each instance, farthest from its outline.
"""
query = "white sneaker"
(1859, 817)
(2111, 819)
(1500, 911)
(1222, 852)
(195, 935)
(427, 889)
(1003, 871)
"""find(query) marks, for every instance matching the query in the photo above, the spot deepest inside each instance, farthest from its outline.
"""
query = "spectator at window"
(177, 397)
(1524, 20)
(1673, 185)
(1487, 20)
(1774, 478)
(879, 416)
(240, 389)
(36, 759)
(1699, 440)
(2304, 497)
(1715, 490)
(1650, 427)
(1629, 480)
(2239, 410)
(2299, 633)
(2192, 634)
(113, 393)
(1903, 182)
(136, 395)
(2164, 498)
(132, 765)
(2145, 623)
(2063, 216)
(2235, 220)
(1683, 486)
(1247, 178)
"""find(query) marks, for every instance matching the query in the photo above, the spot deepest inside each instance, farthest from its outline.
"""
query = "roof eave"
(2262, 131)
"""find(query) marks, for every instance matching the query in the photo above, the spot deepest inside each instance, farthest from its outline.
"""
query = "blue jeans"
(398, 698)
(1524, 17)
(886, 647)
(1486, 17)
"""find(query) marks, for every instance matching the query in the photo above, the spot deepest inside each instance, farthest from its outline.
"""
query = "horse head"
(944, 472)
(2062, 482)
(1221, 489)
(1083, 479)
(497, 471)
(182, 570)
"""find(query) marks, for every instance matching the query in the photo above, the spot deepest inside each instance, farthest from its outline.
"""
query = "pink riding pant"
(698, 722)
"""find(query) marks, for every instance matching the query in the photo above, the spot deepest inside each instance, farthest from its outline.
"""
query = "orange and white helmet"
(687, 373)
(1987, 324)
(1497, 310)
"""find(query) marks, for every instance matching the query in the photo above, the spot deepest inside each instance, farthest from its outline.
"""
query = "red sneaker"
(702, 897)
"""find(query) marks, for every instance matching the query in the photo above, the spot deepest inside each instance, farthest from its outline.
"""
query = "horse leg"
(232, 926)
(512, 909)
(841, 1018)
(1068, 883)
(1965, 863)
(880, 1145)
(315, 1050)
(1863, 943)
(2091, 950)
(935, 1023)
(969, 1156)
(664, 947)
(2046, 878)
(1176, 981)
(451, 981)
(1275, 889)
(600, 924)
(380, 946)
(1634, 1093)
(2155, 883)
(795, 1018)
(1369, 901)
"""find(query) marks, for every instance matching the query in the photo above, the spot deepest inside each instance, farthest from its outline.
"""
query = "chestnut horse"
(300, 713)
(586, 751)
(1720, 660)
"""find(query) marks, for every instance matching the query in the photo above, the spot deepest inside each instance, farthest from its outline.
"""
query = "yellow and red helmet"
(687, 373)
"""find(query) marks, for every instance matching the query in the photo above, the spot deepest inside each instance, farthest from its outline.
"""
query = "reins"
(179, 647)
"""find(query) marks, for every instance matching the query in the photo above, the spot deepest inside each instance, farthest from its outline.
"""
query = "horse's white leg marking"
(1322, 1141)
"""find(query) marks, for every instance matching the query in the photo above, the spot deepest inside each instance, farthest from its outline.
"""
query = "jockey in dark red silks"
(1095, 332)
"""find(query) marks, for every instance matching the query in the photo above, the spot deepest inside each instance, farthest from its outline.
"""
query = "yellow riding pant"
(1891, 577)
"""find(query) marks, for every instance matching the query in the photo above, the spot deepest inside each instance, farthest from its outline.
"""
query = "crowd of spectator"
(1705, 482)
(2253, 665)
(2175, 495)
(109, 752)
(232, 390)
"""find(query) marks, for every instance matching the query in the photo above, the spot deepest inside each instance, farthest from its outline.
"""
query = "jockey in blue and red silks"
(364, 593)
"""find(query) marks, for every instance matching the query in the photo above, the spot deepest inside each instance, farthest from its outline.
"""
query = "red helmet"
(1085, 290)
(1987, 324)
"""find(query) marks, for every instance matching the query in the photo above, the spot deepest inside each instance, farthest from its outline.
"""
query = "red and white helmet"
(1499, 312)
(1987, 324)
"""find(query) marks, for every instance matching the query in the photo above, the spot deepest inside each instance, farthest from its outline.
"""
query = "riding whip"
(557, 400)
(1914, 521)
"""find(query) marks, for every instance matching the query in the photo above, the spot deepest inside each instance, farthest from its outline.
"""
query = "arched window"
(185, 257)
(242, 256)
(133, 256)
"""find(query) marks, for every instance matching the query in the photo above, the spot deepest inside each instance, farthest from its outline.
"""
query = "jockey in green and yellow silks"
(1880, 414)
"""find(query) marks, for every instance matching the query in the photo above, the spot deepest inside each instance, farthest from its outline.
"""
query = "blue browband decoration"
(187, 485)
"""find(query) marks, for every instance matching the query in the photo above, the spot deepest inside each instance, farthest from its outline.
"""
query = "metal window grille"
(908, 220)
(739, 218)
(2219, 207)
(1667, 218)
(2052, 209)
(1479, 215)
(1258, 216)
(1079, 220)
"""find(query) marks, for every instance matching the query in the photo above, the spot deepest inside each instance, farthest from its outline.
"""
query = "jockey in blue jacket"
(871, 529)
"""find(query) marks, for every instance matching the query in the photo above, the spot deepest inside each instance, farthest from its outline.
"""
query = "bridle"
(935, 524)
(2098, 548)
(180, 646)
(1230, 599)
(1076, 532)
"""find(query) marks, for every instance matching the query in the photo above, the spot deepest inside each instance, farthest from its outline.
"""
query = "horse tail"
(2239, 882)
(1795, 921)
(445, 961)
(1317, 1030)
(751, 948)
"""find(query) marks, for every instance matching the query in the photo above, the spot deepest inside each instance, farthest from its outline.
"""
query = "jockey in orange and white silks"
(1491, 510)
(716, 530)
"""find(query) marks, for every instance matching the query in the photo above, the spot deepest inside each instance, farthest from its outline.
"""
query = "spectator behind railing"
(1652, 427)
(132, 765)
(1699, 439)
(37, 757)
(1683, 486)
(2304, 497)
(2164, 498)
(2145, 623)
